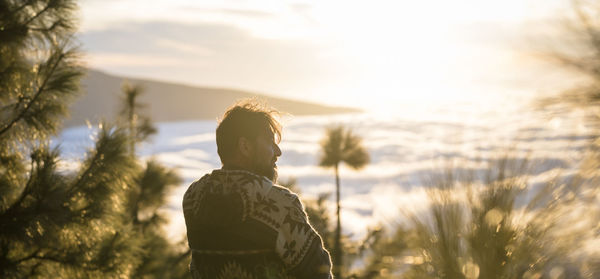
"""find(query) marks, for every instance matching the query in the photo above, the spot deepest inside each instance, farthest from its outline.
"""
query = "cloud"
(304, 11)
(211, 54)
(246, 13)
(243, 13)
(149, 37)
(103, 59)
(183, 47)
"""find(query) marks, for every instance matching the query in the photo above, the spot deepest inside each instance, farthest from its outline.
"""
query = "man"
(239, 223)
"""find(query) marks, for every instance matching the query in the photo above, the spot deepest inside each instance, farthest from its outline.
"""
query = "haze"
(377, 55)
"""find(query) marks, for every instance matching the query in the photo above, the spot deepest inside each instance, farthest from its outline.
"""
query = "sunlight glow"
(397, 52)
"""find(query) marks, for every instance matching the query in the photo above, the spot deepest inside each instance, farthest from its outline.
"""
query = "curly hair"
(246, 118)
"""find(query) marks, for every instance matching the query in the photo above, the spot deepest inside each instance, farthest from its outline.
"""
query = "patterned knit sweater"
(241, 225)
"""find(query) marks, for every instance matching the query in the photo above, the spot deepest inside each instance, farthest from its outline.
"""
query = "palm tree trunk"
(337, 254)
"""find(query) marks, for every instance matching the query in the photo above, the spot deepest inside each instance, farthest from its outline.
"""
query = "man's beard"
(267, 170)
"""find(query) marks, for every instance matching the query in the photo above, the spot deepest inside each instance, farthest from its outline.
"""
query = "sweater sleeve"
(300, 246)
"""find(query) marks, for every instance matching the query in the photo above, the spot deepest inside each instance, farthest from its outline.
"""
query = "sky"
(376, 54)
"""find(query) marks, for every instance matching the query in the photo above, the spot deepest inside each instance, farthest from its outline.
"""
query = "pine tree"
(475, 227)
(46, 216)
(160, 258)
(53, 222)
(578, 50)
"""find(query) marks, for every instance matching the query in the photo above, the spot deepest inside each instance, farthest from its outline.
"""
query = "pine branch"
(576, 64)
(35, 97)
(590, 31)
(136, 206)
(110, 156)
(50, 28)
(34, 269)
(59, 260)
(14, 104)
(85, 173)
(37, 15)
(18, 9)
(25, 190)
(32, 256)
(52, 259)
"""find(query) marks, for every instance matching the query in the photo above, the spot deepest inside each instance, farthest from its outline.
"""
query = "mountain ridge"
(170, 101)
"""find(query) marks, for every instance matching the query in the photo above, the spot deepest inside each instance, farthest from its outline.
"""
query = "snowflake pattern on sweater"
(238, 219)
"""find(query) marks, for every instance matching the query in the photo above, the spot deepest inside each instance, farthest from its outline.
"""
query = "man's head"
(247, 138)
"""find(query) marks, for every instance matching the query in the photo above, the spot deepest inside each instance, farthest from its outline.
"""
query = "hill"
(173, 102)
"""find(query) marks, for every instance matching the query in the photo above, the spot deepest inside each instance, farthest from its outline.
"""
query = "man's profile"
(240, 224)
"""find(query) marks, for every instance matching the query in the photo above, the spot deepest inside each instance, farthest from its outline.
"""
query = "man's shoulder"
(255, 191)
(225, 181)
(283, 194)
(280, 190)
(194, 192)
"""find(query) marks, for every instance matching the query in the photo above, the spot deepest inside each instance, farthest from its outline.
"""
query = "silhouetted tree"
(54, 222)
(475, 228)
(68, 223)
(160, 258)
(139, 126)
(340, 145)
(383, 253)
(578, 49)
(146, 195)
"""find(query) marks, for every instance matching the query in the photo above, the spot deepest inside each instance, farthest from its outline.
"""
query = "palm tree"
(340, 145)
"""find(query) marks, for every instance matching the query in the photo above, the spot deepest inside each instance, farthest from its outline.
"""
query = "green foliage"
(152, 185)
(160, 258)
(148, 191)
(65, 224)
(39, 70)
(99, 220)
(475, 228)
(381, 252)
(483, 225)
(52, 222)
(38, 77)
(578, 50)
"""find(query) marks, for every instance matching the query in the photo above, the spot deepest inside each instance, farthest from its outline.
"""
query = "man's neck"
(234, 167)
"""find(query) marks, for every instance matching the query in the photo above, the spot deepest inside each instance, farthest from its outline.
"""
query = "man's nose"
(277, 150)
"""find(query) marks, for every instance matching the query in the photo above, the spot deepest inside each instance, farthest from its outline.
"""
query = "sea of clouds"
(406, 148)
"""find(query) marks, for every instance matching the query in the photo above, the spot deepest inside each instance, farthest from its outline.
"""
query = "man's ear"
(245, 147)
